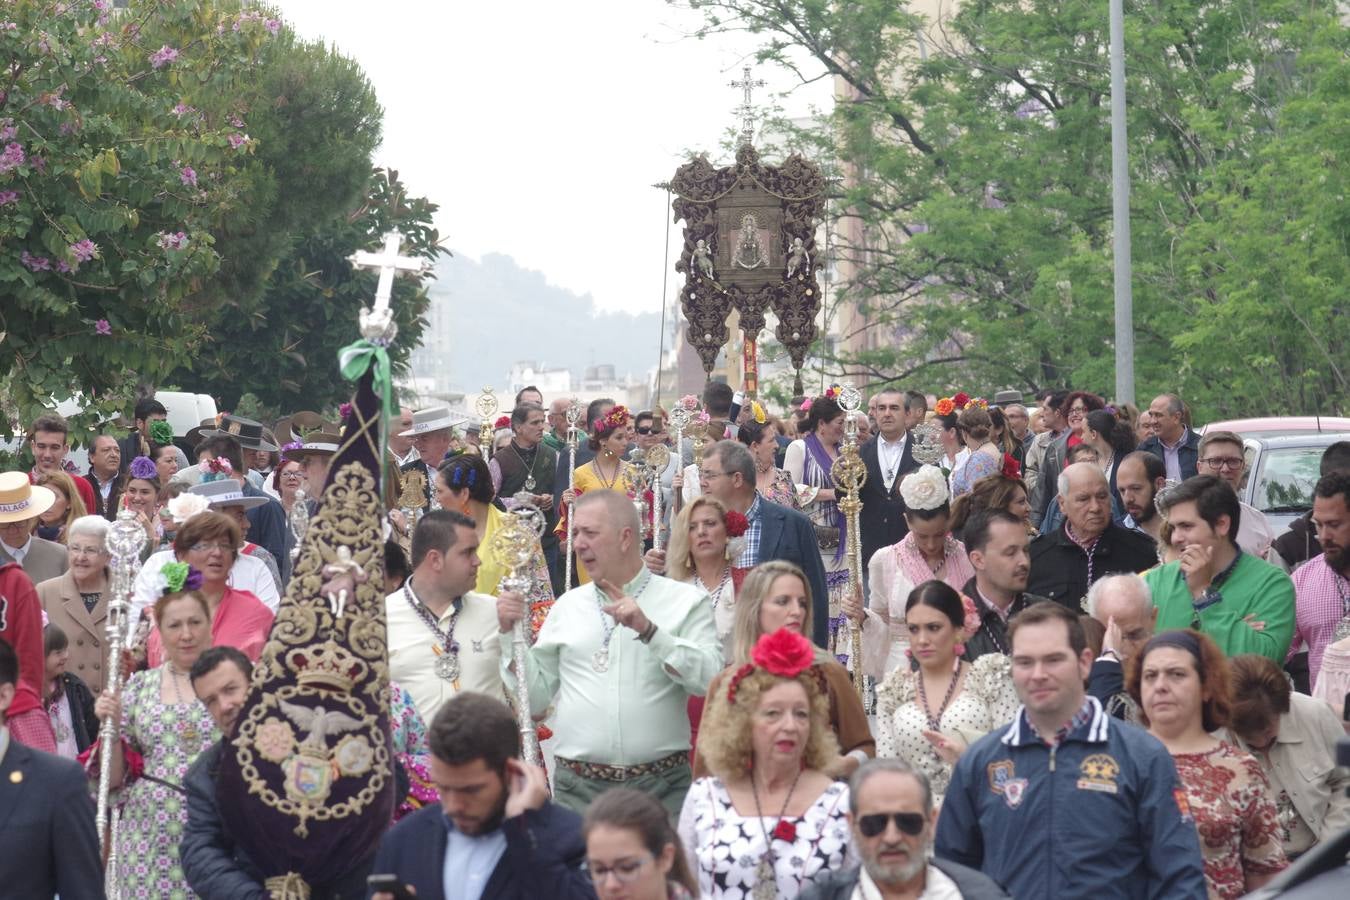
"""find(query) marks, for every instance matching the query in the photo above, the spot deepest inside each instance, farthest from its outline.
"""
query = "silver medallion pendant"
(600, 660)
(447, 666)
(1342, 630)
(766, 883)
(529, 482)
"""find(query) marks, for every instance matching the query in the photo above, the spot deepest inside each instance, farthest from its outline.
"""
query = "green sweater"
(1254, 588)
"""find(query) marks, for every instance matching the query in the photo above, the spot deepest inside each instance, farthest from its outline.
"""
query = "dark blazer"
(48, 844)
(268, 529)
(1059, 567)
(544, 853)
(44, 559)
(992, 636)
(840, 884)
(1187, 453)
(883, 513)
(788, 535)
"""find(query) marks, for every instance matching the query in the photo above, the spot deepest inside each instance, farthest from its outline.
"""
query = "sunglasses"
(873, 825)
(647, 429)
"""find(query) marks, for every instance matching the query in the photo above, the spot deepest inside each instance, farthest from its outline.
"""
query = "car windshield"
(1285, 482)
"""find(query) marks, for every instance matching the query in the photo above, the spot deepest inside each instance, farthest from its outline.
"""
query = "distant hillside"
(502, 314)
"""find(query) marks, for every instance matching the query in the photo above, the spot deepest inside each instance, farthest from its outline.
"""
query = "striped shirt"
(1321, 601)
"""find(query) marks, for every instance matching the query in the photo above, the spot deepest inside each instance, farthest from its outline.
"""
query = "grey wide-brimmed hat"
(435, 418)
(247, 432)
(1006, 398)
(226, 492)
(316, 443)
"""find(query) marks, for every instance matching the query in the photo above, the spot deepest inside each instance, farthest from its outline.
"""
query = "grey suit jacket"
(44, 560)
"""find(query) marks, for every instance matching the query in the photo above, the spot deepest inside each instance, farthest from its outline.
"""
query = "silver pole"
(1120, 209)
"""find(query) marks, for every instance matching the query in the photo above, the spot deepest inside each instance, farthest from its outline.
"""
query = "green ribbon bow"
(355, 359)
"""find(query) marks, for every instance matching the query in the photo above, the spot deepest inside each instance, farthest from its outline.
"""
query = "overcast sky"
(539, 126)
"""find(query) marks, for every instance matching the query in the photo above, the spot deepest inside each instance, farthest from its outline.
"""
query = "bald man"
(1087, 545)
(1124, 606)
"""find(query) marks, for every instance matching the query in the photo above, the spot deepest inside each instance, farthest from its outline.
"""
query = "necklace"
(722, 586)
(1343, 626)
(600, 475)
(766, 883)
(600, 658)
(188, 731)
(529, 467)
(446, 650)
(935, 721)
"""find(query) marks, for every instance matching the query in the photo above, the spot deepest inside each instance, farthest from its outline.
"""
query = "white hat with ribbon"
(20, 500)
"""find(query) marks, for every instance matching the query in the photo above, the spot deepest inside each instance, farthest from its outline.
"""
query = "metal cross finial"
(747, 109)
(377, 323)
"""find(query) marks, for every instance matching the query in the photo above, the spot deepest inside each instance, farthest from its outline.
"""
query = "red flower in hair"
(736, 523)
(961, 399)
(1011, 467)
(502, 422)
(784, 653)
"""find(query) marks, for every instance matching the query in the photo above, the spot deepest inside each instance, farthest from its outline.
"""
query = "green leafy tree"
(287, 355)
(977, 214)
(111, 191)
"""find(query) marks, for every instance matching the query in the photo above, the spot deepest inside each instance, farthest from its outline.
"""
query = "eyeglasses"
(1223, 462)
(873, 825)
(625, 872)
(208, 546)
(84, 551)
(706, 476)
(1080, 410)
(297, 475)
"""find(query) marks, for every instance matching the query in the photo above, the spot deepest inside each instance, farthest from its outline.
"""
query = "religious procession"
(885, 582)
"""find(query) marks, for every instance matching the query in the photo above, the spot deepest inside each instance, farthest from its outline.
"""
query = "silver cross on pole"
(747, 109)
(378, 323)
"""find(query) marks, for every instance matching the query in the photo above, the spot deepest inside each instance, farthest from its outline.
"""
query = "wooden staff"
(849, 474)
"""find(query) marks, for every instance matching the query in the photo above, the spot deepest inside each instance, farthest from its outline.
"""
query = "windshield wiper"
(1287, 509)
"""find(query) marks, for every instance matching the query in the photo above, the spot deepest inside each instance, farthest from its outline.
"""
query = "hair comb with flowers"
(161, 432)
(176, 577)
(615, 418)
(784, 653)
(143, 467)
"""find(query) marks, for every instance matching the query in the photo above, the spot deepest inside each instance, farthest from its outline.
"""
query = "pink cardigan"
(241, 621)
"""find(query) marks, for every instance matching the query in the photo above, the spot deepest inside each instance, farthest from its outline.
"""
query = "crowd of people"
(1087, 667)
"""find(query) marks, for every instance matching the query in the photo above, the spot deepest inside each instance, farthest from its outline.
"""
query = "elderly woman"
(632, 852)
(77, 601)
(775, 595)
(929, 713)
(927, 552)
(1291, 735)
(163, 730)
(700, 553)
(809, 460)
(1182, 684)
(209, 542)
(54, 524)
(770, 817)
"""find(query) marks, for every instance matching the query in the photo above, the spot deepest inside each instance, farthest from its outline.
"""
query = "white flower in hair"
(186, 505)
(159, 582)
(925, 488)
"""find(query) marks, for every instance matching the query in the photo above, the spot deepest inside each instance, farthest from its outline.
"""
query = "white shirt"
(17, 553)
(247, 574)
(889, 455)
(937, 886)
(412, 659)
(637, 710)
(1254, 532)
(470, 861)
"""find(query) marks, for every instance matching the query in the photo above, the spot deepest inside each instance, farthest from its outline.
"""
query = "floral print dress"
(169, 736)
(1230, 800)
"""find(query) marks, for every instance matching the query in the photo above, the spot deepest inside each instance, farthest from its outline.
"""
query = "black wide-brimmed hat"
(247, 432)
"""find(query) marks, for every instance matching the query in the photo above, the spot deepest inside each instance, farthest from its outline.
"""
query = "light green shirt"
(1255, 588)
(636, 711)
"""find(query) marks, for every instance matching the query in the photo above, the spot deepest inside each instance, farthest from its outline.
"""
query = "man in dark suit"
(48, 843)
(776, 532)
(889, 458)
(495, 835)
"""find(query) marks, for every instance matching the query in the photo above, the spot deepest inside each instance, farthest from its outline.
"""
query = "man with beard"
(1065, 801)
(1139, 477)
(1123, 604)
(1000, 553)
(893, 821)
(1322, 584)
(495, 834)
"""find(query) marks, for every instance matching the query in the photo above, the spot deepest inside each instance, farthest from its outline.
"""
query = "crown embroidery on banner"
(331, 666)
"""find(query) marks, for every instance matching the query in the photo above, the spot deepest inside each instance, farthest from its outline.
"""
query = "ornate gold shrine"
(749, 245)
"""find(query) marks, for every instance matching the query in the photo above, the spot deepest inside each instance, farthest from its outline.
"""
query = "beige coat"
(88, 640)
(1302, 763)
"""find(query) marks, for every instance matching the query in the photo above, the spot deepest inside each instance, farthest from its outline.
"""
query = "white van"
(186, 411)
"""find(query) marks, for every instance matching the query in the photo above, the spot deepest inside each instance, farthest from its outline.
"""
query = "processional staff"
(515, 541)
(486, 406)
(573, 436)
(849, 474)
(680, 417)
(126, 540)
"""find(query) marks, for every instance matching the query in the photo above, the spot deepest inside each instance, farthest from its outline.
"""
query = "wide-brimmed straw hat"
(20, 500)
(435, 418)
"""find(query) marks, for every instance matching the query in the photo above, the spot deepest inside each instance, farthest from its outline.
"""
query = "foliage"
(111, 190)
(286, 356)
(977, 218)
